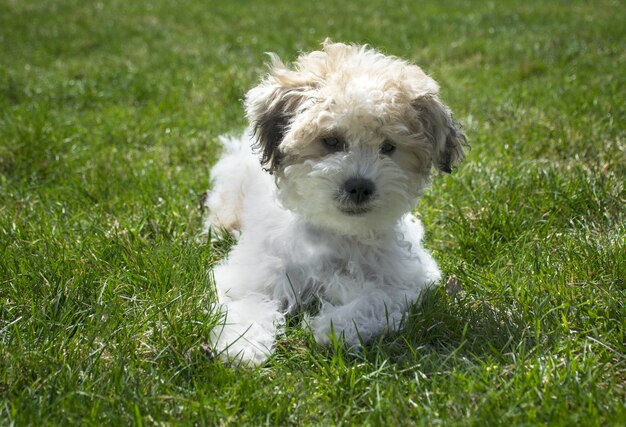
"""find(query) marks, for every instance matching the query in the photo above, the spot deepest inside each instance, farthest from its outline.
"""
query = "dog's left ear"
(445, 133)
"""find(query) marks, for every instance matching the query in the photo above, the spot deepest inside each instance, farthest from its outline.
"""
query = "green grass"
(109, 117)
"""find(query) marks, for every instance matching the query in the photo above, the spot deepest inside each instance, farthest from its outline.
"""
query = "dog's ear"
(270, 108)
(444, 132)
(269, 113)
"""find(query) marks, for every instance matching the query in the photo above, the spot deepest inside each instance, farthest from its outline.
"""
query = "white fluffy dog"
(346, 140)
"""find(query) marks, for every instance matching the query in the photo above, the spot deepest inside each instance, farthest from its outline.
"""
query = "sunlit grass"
(109, 117)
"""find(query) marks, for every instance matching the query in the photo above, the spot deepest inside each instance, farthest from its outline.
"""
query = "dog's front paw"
(245, 352)
(326, 330)
(239, 346)
(247, 334)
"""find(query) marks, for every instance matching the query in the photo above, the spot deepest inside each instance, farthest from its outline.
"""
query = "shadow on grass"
(445, 331)
(440, 334)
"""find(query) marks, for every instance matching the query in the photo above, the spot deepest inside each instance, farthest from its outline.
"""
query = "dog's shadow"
(439, 333)
(444, 331)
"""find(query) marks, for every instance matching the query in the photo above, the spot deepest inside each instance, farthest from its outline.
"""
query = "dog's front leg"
(363, 318)
(252, 314)
(248, 331)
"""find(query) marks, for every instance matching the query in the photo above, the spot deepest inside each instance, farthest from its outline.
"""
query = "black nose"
(359, 190)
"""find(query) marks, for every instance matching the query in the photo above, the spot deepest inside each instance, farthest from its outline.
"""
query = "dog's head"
(351, 135)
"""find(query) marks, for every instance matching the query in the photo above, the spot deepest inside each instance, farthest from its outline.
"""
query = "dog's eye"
(387, 148)
(332, 142)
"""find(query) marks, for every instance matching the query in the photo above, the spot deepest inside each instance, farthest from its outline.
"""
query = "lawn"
(109, 118)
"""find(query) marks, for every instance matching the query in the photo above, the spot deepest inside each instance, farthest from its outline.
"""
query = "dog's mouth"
(355, 210)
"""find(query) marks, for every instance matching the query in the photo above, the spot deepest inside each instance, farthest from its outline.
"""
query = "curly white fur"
(304, 236)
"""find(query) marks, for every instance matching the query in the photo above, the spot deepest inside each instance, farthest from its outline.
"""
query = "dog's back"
(234, 177)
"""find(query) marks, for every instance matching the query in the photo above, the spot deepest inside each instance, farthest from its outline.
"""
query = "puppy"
(319, 192)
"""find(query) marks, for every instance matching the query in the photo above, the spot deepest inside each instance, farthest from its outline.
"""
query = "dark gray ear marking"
(453, 150)
(273, 123)
(445, 133)
(269, 131)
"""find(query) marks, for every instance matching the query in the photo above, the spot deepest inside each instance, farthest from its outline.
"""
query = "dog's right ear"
(270, 108)
(268, 113)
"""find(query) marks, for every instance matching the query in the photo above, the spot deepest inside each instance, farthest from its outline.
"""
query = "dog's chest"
(333, 268)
